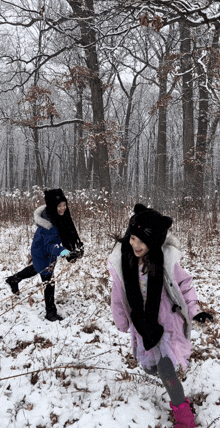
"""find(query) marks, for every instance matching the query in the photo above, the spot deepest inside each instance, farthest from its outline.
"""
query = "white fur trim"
(39, 220)
(115, 260)
(172, 240)
(172, 256)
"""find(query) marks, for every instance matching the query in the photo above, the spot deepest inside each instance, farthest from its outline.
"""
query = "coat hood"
(41, 221)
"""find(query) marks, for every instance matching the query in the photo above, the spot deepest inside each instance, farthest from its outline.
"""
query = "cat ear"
(167, 222)
(139, 208)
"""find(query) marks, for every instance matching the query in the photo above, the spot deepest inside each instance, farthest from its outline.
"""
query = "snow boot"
(25, 273)
(51, 316)
(184, 417)
(51, 310)
(13, 282)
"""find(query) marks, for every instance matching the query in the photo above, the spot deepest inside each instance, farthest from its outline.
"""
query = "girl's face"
(139, 247)
(61, 208)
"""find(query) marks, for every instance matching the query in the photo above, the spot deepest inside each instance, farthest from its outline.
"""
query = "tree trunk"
(202, 135)
(10, 181)
(82, 173)
(214, 124)
(187, 108)
(161, 156)
(85, 11)
(25, 178)
(38, 172)
(123, 167)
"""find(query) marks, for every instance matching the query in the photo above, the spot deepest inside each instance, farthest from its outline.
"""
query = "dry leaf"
(31, 301)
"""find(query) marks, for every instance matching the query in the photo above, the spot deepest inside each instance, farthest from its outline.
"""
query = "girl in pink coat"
(151, 296)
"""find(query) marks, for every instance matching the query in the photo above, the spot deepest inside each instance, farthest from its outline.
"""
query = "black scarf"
(145, 319)
(66, 228)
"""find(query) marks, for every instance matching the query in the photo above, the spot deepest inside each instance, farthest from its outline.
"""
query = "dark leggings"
(26, 273)
(167, 373)
(49, 290)
(30, 271)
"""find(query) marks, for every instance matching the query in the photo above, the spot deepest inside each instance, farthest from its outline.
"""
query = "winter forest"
(116, 102)
(121, 95)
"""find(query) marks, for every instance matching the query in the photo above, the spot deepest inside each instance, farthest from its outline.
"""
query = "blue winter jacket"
(46, 245)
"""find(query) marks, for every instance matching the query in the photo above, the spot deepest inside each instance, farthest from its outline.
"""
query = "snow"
(80, 372)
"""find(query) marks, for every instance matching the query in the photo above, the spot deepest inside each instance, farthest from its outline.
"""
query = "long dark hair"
(148, 259)
(142, 315)
(65, 226)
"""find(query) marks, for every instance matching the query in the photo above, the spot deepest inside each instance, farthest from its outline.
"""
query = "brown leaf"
(106, 392)
(124, 376)
(54, 418)
(31, 301)
(80, 389)
(34, 378)
(95, 339)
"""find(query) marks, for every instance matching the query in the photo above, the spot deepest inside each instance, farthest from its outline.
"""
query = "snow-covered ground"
(80, 372)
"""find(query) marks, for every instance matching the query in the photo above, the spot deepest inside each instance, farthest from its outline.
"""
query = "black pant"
(30, 271)
(49, 290)
(167, 373)
(26, 273)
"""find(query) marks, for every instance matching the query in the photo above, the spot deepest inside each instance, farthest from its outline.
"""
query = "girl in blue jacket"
(55, 236)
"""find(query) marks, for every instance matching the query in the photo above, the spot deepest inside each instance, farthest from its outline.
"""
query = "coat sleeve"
(52, 242)
(118, 303)
(184, 281)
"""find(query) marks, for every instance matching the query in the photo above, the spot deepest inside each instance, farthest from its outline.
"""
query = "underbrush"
(102, 215)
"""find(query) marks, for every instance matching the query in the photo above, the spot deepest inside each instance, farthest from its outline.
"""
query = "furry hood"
(172, 240)
(171, 253)
(39, 220)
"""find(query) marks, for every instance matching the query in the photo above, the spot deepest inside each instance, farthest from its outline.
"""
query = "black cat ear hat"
(149, 225)
(53, 198)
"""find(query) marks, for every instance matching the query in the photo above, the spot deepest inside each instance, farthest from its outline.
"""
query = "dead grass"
(103, 215)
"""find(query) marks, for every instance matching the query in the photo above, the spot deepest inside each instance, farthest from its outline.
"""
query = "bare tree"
(105, 39)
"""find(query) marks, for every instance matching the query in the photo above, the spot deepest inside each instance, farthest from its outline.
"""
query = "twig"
(216, 419)
(20, 302)
(68, 366)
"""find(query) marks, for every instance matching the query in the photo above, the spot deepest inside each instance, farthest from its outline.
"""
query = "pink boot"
(184, 417)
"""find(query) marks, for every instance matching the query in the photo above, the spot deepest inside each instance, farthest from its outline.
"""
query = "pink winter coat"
(177, 325)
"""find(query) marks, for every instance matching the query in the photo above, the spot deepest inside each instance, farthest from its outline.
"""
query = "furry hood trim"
(39, 220)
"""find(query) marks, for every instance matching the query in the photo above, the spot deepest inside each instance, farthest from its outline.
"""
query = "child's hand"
(201, 317)
(64, 253)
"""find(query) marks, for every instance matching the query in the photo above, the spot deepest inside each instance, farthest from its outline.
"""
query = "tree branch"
(57, 125)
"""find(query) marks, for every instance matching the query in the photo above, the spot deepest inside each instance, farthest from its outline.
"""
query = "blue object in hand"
(64, 253)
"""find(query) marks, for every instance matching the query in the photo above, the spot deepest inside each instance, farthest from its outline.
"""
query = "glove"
(80, 248)
(64, 253)
(201, 317)
(75, 254)
(80, 244)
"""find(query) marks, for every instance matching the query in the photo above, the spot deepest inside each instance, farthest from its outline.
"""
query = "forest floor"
(80, 372)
